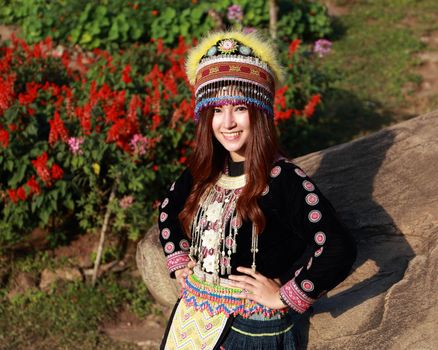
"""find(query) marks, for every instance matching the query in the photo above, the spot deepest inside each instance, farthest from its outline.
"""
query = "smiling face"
(231, 127)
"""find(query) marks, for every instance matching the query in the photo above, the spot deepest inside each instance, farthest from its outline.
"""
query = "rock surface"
(48, 277)
(152, 265)
(385, 189)
(22, 282)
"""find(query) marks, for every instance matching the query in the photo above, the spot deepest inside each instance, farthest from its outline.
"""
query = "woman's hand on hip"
(181, 274)
(257, 287)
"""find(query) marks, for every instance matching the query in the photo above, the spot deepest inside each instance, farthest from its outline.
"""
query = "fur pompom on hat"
(234, 68)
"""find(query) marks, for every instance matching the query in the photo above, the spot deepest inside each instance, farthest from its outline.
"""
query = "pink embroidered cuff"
(295, 297)
(177, 260)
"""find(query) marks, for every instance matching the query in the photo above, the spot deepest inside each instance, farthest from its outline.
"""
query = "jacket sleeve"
(331, 249)
(175, 243)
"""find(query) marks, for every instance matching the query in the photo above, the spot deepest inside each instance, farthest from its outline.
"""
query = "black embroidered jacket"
(303, 244)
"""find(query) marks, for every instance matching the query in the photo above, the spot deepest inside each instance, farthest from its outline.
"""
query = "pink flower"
(139, 144)
(75, 144)
(248, 30)
(322, 47)
(235, 13)
(126, 202)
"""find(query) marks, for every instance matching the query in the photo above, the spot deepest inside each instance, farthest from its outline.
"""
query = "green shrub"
(112, 24)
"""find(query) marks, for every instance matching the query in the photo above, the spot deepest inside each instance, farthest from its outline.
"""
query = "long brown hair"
(208, 159)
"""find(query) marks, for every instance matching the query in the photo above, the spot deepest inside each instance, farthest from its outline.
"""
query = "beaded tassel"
(254, 246)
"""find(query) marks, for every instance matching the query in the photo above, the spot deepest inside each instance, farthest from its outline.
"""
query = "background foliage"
(76, 123)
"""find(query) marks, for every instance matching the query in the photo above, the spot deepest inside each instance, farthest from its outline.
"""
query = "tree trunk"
(273, 13)
(102, 235)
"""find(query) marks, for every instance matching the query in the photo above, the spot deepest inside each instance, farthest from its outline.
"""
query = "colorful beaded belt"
(218, 298)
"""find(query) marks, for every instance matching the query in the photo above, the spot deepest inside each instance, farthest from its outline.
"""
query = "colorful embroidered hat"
(233, 68)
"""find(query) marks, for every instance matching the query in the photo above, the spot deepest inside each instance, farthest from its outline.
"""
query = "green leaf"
(18, 176)
(196, 13)
(169, 13)
(113, 34)
(86, 38)
(101, 11)
(10, 165)
(69, 203)
(75, 34)
(44, 216)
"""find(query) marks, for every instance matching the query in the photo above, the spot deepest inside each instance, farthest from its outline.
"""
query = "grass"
(374, 62)
(69, 316)
(375, 50)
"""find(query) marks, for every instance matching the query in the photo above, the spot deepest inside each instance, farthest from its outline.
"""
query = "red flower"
(293, 47)
(7, 93)
(33, 186)
(21, 193)
(30, 94)
(156, 120)
(13, 195)
(154, 12)
(121, 133)
(4, 137)
(160, 46)
(309, 109)
(126, 74)
(134, 104)
(84, 116)
(57, 129)
(155, 167)
(40, 165)
(57, 172)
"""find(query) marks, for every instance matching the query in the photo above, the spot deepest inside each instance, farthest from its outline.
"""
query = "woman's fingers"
(254, 274)
(243, 279)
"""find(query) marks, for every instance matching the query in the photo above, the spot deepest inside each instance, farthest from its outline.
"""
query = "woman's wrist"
(283, 302)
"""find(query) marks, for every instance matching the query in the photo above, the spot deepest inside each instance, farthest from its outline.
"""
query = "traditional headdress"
(232, 68)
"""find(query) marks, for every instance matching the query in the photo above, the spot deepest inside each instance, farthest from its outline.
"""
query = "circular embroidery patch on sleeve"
(309, 264)
(318, 252)
(320, 238)
(275, 171)
(299, 172)
(169, 247)
(165, 202)
(297, 272)
(163, 216)
(172, 187)
(184, 244)
(308, 186)
(265, 191)
(165, 233)
(307, 285)
(312, 199)
(314, 216)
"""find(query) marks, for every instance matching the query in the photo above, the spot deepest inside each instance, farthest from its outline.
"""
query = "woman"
(246, 232)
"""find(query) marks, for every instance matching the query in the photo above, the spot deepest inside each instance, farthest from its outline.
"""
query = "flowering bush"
(76, 126)
(72, 126)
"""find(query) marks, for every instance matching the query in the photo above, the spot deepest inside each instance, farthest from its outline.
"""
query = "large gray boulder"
(152, 265)
(385, 189)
